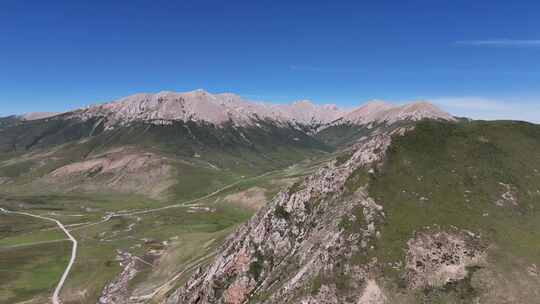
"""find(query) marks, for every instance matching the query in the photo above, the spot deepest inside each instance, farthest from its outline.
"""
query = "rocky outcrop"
(508, 197)
(372, 294)
(117, 291)
(295, 247)
(435, 259)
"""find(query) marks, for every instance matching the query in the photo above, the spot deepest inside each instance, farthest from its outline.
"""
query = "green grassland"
(95, 264)
(192, 234)
(202, 156)
(439, 175)
(26, 273)
(15, 225)
(449, 175)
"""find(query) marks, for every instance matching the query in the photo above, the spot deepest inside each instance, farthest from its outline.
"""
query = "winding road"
(109, 216)
(55, 296)
(185, 204)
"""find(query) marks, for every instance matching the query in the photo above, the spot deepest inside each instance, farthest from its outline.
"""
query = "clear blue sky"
(469, 56)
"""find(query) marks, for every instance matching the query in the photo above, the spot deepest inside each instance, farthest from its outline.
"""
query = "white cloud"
(488, 108)
(501, 43)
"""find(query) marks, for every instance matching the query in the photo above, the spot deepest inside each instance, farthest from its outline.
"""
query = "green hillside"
(196, 159)
(483, 177)
(201, 156)
(473, 180)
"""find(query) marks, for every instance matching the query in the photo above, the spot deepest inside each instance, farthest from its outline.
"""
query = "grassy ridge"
(444, 175)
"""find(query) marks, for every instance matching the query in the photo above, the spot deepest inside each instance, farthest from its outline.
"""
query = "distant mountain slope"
(16, 119)
(378, 112)
(202, 106)
(33, 150)
(377, 116)
(8, 121)
(219, 109)
(38, 115)
(220, 130)
(437, 213)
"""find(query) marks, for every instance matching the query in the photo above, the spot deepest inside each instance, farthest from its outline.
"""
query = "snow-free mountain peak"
(380, 111)
(200, 105)
(416, 111)
(367, 112)
(217, 109)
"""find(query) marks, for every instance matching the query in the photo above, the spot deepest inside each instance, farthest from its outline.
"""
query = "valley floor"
(164, 240)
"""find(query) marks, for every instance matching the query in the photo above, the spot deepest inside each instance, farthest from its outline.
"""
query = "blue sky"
(474, 58)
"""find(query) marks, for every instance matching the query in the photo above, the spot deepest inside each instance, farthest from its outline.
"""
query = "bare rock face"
(372, 294)
(205, 107)
(218, 109)
(292, 250)
(306, 112)
(4, 180)
(368, 112)
(437, 258)
(117, 290)
(381, 112)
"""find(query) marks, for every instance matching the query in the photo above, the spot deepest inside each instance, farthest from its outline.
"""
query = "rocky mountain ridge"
(396, 204)
(295, 239)
(201, 106)
(380, 111)
(219, 109)
(332, 237)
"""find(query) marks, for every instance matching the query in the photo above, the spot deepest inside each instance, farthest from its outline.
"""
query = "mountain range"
(199, 198)
(219, 109)
(217, 130)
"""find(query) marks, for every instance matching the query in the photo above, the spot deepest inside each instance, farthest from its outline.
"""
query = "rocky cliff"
(393, 219)
(294, 248)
